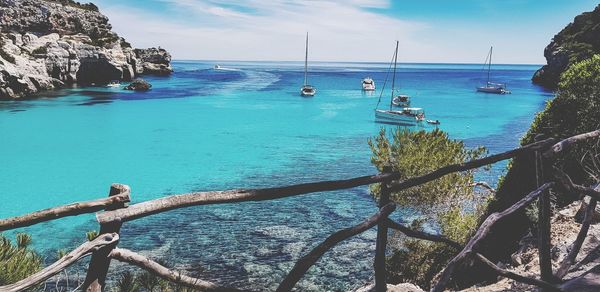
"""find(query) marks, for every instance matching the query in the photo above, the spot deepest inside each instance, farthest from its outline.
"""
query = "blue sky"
(459, 31)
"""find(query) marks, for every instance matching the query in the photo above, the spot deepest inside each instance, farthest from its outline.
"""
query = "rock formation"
(577, 41)
(565, 226)
(45, 44)
(138, 85)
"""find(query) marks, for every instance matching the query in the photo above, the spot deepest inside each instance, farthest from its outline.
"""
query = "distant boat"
(307, 90)
(368, 84)
(114, 83)
(406, 116)
(217, 67)
(492, 87)
(401, 100)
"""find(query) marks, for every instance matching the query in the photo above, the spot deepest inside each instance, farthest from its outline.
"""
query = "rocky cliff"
(45, 44)
(576, 42)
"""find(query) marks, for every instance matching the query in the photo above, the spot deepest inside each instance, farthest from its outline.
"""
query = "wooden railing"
(114, 211)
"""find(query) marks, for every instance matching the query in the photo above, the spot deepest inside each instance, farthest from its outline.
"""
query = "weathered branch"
(422, 235)
(569, 260)
(566, 182)
(72, 257)
(307, 261)
(130, 257)
(484, 185)
(568, 142)
(61, 211)
(483, 231)
(414, 181)
(516, 277)
(219, 197)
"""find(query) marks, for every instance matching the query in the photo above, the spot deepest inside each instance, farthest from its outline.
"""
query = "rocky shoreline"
(576, 42)
(46, 45)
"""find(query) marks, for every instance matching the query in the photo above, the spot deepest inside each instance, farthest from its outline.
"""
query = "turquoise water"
(203, 129)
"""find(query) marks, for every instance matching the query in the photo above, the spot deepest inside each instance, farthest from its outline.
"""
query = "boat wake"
(226, 69)
(254, 80)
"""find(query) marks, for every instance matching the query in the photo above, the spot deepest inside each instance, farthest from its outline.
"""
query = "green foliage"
(17, 261)
(43, 50)
(125, 44)
(449, 204)
(61, 253)
(416, 153)
(574, 110)
(145, 281)
(127, 283)
(91, 235)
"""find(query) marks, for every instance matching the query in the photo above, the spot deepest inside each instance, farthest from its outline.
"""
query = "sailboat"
(491, 87)
(307, 90)
(406, 116)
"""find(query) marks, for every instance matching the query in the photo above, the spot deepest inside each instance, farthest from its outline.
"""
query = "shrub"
(17, 261)
(40, 50)
(448, 204)
(574, 110)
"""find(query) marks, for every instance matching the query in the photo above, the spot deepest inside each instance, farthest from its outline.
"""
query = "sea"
(244, 126)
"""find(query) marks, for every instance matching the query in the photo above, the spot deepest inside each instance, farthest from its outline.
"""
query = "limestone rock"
(577, 41)
(154, 61)
(402, 287)
(46, 44)
(139, 85)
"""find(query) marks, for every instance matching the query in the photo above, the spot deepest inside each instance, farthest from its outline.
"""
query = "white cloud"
(340, 31)
(274, 30)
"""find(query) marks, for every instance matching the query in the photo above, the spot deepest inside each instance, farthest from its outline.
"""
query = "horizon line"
(358, 62)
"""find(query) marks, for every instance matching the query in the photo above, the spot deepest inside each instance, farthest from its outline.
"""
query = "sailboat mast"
(394, 75)
(306, 62)
(489, 66)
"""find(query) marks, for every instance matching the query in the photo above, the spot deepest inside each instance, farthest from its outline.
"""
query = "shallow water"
(203, 129)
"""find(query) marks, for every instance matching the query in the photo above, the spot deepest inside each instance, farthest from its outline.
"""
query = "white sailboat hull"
(397, 117)
(492, 89)
(368, 87)
(308, 91)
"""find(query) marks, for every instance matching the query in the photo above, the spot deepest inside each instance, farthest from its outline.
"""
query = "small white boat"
(114, 83)
(409, 116)
(401, 100)
(217, 67)
(433, 122)
(368, 84)
(491, 87)
(307, 90)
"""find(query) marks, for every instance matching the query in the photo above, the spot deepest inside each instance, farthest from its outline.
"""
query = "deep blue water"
(203, 129)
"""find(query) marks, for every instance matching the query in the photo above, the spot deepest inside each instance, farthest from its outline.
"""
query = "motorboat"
(401, 100)
(368, 84)
(114, 83)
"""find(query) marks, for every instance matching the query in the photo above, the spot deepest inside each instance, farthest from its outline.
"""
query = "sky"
(432, 31)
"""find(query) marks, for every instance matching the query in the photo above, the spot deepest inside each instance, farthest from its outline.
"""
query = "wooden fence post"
(380, 271)
(96, 275)
(543, 220)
